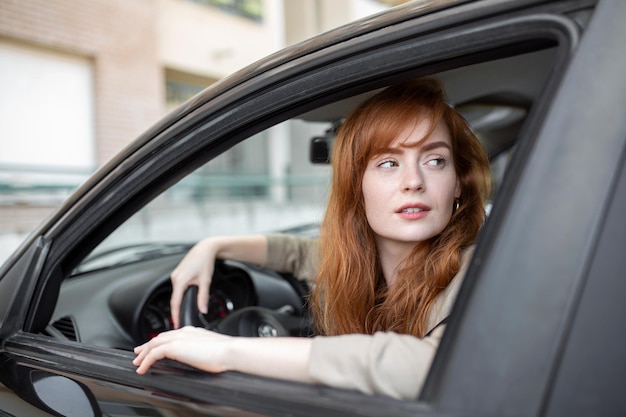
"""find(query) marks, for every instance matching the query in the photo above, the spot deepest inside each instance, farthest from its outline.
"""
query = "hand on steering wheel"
(189, 313)
(251, 321)
(195, 269)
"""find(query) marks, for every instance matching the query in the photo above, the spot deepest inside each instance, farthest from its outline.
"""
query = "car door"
(553, 247)
(466, 45)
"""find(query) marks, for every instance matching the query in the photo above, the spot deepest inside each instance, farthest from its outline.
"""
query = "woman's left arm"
(284, 358)
(390, 364)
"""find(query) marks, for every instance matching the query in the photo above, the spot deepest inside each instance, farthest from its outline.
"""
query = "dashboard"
(122, 306)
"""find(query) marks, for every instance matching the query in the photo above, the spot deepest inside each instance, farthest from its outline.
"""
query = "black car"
(536, 327)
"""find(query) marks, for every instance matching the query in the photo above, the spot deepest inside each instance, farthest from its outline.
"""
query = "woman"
(410, 182)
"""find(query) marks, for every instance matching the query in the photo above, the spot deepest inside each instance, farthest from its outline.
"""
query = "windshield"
(124, 255)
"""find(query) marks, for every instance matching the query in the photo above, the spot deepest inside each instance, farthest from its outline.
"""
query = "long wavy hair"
(351, 295)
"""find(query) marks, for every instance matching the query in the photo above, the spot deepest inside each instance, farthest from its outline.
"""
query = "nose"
(413, 179)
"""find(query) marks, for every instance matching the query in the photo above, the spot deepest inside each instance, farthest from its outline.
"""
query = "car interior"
(118, 296)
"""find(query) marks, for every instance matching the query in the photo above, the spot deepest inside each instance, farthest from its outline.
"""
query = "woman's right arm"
(297, 255)
(196, 268)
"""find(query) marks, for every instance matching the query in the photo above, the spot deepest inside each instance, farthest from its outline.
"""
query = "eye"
(439, 161)
(389, 163)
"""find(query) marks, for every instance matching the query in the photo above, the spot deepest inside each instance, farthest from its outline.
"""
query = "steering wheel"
(249, 321)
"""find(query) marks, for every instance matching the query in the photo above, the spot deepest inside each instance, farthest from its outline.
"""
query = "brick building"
(83, 78)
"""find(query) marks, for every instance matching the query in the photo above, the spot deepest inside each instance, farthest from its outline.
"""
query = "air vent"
(63, 328)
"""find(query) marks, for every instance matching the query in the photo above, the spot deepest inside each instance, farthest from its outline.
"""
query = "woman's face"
(409, 189)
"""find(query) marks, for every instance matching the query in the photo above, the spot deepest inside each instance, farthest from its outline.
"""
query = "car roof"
(492, 96)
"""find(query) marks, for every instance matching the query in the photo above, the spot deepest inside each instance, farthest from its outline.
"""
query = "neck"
(391, 256)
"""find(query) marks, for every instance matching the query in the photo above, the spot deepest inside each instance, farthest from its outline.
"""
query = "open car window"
(271, 182)
(118, 296)
(265, 184)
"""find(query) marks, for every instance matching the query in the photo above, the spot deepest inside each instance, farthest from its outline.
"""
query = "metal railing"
(24, 184)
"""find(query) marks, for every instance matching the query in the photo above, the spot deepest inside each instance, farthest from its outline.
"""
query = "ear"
(457, 188)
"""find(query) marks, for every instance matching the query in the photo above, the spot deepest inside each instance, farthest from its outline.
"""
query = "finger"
(204, 285)
(146, 361)
(138, 349)
(181, 280)
(155, 341)
(143, 350)
(175, 302)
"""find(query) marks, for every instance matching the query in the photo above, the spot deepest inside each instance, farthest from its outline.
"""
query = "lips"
(413, 211)
(413, 208)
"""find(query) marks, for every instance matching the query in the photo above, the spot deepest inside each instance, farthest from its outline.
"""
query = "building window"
(47, 129)
(250, 9)
(181, 86)
(177, 92)
(239, 173)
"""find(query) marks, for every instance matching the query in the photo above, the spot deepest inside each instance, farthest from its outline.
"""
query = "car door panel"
(532, 286)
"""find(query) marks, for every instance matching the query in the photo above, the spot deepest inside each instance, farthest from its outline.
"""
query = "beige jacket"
(385, 363)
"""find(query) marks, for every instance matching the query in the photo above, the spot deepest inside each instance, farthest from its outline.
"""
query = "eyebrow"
(435, 145)
(424, 148)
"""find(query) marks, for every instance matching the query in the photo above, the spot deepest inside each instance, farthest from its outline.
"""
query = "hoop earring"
(456, 205)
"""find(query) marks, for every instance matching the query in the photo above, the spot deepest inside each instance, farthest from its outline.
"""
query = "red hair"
(351, 295)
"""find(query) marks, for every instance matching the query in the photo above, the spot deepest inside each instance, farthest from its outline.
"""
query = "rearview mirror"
(319, 152)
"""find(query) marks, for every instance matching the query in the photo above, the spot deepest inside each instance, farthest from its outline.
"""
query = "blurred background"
(82, 78)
